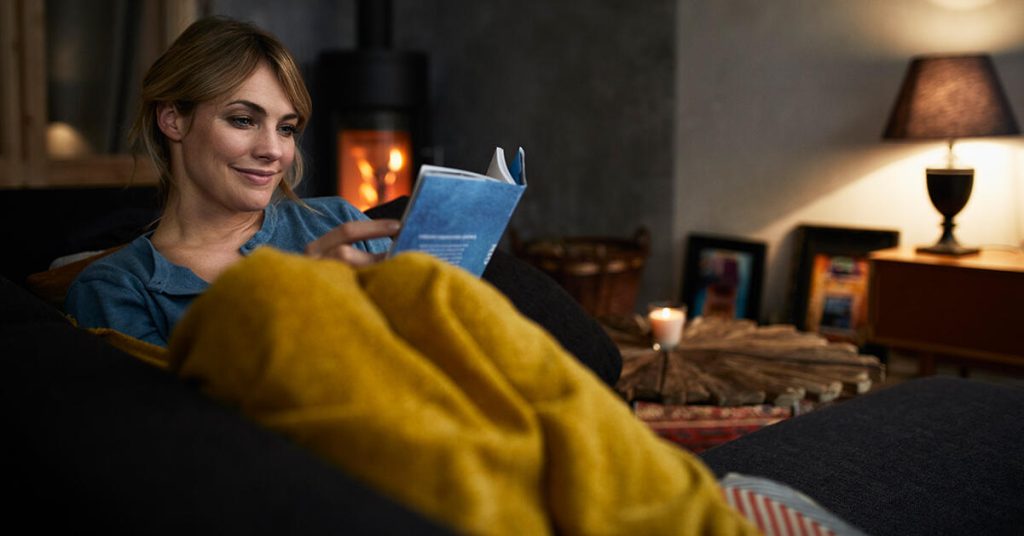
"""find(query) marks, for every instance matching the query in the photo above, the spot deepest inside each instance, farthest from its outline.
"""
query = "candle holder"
(667, 319)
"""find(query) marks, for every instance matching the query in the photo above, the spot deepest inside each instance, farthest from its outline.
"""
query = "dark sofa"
(100, 441)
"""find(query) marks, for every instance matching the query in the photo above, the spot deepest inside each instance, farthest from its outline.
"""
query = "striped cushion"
(779, 510)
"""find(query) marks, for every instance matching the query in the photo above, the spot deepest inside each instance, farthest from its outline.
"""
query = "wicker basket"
(601, 273)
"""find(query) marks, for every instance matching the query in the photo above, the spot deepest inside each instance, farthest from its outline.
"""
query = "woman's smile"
(256, 176)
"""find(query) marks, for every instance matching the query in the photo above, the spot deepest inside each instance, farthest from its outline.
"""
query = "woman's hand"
(337, 244)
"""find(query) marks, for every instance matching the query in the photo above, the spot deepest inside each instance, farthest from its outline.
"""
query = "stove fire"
(374, 166)
(375, 134)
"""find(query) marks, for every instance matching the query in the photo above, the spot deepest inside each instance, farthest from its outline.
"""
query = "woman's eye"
(241, 121)
(288, 130)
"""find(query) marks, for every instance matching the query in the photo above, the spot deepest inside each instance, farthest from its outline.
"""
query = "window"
(69, 77)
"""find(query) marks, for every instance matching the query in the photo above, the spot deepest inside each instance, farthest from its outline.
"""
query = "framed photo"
(723, 276)
(829, 290)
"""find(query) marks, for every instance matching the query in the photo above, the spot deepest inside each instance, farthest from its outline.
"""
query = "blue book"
(459, 216)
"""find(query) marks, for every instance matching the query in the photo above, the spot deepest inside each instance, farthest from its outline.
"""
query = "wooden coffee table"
(728, 362)
(730, 377)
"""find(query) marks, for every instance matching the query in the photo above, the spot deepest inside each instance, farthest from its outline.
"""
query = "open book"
(459, 216)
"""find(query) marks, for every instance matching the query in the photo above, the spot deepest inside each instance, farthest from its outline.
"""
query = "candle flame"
(664, 312)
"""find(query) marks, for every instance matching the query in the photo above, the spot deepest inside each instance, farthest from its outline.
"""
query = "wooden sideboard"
(968, 309)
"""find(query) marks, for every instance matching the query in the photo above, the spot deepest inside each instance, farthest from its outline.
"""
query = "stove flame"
(373, 167)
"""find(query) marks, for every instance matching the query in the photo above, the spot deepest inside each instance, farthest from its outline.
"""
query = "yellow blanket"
(425, 382)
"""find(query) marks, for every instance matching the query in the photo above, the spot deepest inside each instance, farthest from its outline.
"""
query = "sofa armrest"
(929, 456)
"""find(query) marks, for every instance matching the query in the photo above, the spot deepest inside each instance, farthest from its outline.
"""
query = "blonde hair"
(211, 58)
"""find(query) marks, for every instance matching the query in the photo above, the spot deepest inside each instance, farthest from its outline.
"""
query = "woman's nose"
(269, 145)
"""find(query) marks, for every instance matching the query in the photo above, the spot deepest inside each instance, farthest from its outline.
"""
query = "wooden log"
(638, 379)
(822, 390)
(869, 364)
(715, 329)
(778, 392)
(690, 387)
(673, 391)
(723, 391)
(855, 380)
(634, 359)
(718, 332)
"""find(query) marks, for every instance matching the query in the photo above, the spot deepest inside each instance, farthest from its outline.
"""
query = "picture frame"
(831, 273)
(723, 276)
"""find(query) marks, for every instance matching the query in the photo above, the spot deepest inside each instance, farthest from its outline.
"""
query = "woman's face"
(237, 149)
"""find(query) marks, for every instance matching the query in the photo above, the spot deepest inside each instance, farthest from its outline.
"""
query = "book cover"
(459, 216)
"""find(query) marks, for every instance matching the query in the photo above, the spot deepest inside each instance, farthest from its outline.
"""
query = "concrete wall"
(781, 107)
(738, 117)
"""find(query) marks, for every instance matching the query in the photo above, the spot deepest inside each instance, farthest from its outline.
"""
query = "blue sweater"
(137, 291)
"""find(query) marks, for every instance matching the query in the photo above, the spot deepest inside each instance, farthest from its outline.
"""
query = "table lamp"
(950, 97)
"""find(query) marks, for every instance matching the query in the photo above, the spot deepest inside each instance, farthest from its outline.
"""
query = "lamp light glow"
(950, 97)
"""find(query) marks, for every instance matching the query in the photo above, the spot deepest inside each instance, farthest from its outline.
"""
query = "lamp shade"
(951, 97)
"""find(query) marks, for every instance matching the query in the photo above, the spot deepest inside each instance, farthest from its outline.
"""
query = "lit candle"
(667, 326)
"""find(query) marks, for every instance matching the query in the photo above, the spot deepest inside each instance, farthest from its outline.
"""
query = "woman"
(220, 114)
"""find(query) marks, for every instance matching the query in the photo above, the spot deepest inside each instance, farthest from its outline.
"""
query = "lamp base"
(949, 190)
(955, 250)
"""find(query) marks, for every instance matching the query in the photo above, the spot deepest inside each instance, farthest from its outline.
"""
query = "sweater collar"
(173, 279)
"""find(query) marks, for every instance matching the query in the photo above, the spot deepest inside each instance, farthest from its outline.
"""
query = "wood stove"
(376, 133)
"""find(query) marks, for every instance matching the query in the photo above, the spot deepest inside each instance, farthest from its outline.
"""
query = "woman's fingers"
(338, 242)
(352, 256)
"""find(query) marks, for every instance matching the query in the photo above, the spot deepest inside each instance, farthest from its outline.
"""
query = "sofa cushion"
(52, 285)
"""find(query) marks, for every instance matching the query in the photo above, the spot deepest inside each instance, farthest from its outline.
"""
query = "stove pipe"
(374, 100)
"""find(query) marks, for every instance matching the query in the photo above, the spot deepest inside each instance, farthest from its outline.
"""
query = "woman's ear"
(170, 121)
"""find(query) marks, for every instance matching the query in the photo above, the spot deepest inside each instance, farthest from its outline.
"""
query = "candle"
(667, 326)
